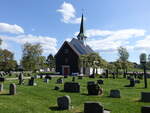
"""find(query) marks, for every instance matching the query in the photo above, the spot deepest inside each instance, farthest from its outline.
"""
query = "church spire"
(81, 35)
(82, 26)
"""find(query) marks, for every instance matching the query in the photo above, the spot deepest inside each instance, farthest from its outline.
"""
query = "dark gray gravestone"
(93, 107)
(2, 79)
(12, 89)
(100, 81)
(145, 109)
(72, 87)
(46, 80)
(32, 82)
(132, 82)
(137, 81)
(73, 79)
(60, 81)
(90, 82)
(115, 93)
(94, 89)
(145, 96)
(56, 88)
(64, 102)
(1, 87)
(20, 78)
(80, 77)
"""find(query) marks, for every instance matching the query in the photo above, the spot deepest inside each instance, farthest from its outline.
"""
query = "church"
(67, 57)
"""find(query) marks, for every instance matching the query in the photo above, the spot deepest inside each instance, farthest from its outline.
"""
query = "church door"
(66, 70)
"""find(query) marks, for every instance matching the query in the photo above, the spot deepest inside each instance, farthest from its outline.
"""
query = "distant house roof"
(78, 46)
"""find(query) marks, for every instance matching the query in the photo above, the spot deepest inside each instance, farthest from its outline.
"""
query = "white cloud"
(109, 41)
(143, 44)
(48, 43)
(68, 13)
(8, 28)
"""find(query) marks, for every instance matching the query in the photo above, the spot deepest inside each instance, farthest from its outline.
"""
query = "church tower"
(81, 35)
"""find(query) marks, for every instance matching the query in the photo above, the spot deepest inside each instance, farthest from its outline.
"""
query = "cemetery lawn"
(42, 98)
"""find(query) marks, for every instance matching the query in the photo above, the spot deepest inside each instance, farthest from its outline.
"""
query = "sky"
(109, 24)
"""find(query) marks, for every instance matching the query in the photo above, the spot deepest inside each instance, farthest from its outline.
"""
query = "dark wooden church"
(67, 58)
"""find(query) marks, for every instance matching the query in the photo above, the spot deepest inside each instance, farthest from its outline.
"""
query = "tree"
(91, 60)
(7, 62)
(31, 59)
(123, 57)
(50, 61)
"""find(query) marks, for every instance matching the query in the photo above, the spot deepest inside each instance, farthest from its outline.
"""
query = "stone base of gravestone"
(1, 87)
(94, 107)
(145, 96)
(115, 93)
(72, 87)
(100, 81)
(12, 89)
(64, 102)
(145, 109)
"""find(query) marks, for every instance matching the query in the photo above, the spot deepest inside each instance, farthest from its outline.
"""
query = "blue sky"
(108, 24)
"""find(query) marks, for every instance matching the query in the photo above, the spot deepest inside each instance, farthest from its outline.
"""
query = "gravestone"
(12, 89)
(132, 83)
(32, 82)
(64, 102)
(20, 78)
(2, 79)
(80, 77)
(137, 81)
(72, 87)
(145, 96)
(1, 87)
(145, 109)
(115, 93)
(90, 82)
(100, 81)
(94, 107)
(46, 80)
(94, 89)
(73, 79)
(48, 77)
(56, 88)
(65, 76)
(60, 81)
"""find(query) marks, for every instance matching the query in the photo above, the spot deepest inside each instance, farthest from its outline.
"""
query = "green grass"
(40, 98)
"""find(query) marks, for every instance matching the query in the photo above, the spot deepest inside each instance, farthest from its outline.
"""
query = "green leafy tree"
(123, 57)
(7, 62)
(32, 55)
(50, 61)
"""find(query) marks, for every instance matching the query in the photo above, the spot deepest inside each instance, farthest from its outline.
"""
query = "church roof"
(81, 48)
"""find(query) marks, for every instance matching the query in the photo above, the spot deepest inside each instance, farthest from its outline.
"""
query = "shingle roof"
(80, 47)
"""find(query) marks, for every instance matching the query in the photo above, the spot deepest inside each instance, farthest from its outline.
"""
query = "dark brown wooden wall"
(72, 59)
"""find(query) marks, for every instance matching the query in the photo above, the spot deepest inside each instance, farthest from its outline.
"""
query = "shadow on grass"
(54, 108)
(5, 94)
